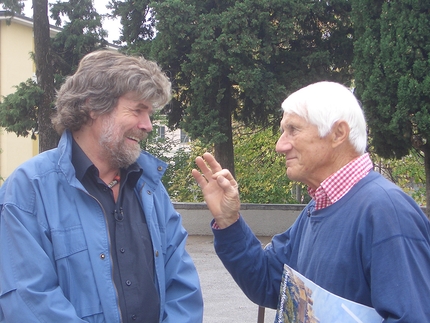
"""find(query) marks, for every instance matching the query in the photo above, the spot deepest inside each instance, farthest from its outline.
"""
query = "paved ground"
(224, 301)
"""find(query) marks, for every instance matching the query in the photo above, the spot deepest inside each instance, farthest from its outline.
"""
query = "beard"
(117, 149)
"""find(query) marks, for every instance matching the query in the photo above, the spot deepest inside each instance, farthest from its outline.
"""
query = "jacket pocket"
(75, 274)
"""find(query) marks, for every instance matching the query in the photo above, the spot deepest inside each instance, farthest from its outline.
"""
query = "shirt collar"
(334, 187)
(80, 161)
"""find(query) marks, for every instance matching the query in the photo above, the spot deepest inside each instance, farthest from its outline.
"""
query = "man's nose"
(283, 144)
(145, 122)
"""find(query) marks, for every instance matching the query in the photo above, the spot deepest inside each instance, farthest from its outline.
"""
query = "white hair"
(324, 103)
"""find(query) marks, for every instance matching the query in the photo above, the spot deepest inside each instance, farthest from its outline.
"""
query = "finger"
(208, 165)
(224, 173)
(198, 177)
(228, 185)
(200, 162)
(212, 162)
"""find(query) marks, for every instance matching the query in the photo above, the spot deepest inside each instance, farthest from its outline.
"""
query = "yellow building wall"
(16, 66)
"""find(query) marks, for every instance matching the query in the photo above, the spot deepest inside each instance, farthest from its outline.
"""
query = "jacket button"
(102, 256)
(149, 192)
(160, 168)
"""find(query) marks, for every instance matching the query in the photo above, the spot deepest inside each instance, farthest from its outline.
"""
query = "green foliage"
(391, 73)
(238, 58)
(407, 172)
(242, 57)
(261, 173)
(177, 179)
(13, 6)
(82, 34)
(260, 170)
(392, 77)
(137, 20)
(182, 187)
(18, 111)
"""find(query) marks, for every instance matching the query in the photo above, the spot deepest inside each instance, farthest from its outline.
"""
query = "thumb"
(229, 186)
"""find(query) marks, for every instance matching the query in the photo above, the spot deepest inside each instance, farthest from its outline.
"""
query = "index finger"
(212, 162)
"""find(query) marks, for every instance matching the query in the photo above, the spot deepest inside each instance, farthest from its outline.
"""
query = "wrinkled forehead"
(288, 117)
(293, 121)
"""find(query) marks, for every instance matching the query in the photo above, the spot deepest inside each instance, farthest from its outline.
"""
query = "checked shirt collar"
(334, 187)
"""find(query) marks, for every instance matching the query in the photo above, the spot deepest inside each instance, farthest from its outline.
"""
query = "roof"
(26, 21)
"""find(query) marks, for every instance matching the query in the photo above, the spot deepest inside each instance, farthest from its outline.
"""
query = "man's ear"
(340, 132)
(93, 115)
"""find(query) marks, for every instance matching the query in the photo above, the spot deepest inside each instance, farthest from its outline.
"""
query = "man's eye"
(290, 128)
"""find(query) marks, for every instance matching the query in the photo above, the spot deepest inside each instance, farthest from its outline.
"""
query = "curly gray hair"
(101, 78)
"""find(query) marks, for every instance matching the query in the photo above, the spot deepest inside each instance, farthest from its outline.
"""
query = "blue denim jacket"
(55, 263)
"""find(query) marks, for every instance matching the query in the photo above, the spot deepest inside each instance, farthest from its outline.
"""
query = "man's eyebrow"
(142, 106)
(281, 129)
(283, 124)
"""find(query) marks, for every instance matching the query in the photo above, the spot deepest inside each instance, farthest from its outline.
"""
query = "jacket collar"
(153, 168)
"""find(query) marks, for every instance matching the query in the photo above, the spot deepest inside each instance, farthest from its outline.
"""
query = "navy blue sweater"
(372, 247)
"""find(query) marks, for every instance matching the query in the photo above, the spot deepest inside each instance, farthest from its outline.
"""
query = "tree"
(137, 21)
(391, 63)
(267, 182)
(260, 170)
(18, 111)
(30, 108)
(408, 173)
(48, 138)
(81, 34)
(237, 60)
(12, 6)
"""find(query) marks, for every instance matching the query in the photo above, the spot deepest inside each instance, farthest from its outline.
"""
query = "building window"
(161, 132)
(184, 136)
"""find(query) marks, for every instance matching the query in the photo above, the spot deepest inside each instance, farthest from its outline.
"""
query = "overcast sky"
(112, 26)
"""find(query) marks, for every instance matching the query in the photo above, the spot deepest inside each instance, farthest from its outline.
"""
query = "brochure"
(302, 301)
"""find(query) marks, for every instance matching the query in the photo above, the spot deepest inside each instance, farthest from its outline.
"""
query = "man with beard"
(88, 232)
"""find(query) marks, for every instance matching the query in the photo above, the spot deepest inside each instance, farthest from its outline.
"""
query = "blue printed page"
(303, 301)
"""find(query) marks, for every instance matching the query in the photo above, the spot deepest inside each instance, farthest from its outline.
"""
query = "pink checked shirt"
(339, 183)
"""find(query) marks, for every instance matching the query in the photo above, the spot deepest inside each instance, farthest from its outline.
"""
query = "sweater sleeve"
(257, 270)
(400, 261)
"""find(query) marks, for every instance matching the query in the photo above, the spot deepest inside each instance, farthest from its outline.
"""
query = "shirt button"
(128, 283)
(122, 250)
(134, 317)
(102, 256)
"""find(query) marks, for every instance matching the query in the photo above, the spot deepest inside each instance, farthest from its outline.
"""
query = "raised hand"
(220, 190)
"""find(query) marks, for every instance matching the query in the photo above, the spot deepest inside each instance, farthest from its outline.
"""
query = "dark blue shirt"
(131, 247)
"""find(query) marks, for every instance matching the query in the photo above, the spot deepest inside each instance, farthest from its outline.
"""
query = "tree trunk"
(224, 152)
(48, 138)
(426, 151)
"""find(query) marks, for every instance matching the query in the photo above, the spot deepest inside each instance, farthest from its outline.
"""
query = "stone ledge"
(264, 219)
